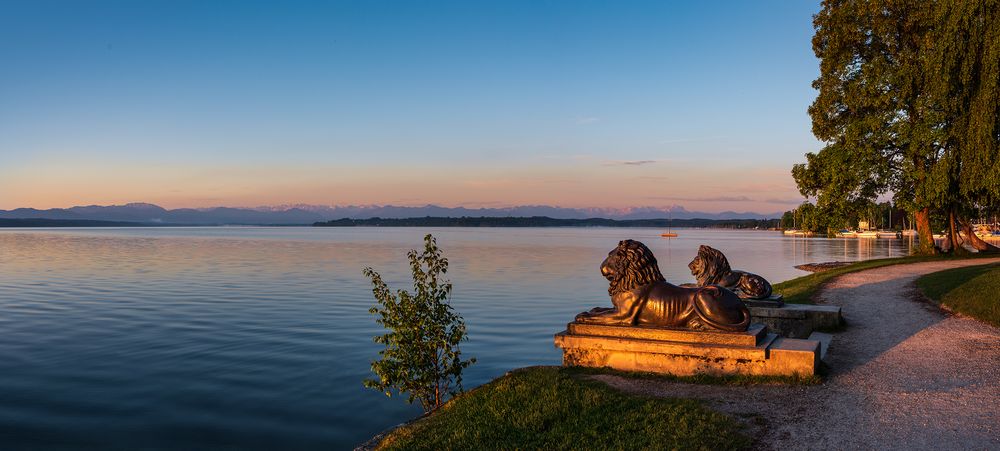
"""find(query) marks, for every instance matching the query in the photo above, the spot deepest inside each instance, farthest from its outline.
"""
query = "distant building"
(862, 225)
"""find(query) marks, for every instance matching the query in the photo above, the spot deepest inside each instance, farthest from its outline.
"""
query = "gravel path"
(903, 375)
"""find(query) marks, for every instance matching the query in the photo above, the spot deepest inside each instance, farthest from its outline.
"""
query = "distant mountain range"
(309, 214)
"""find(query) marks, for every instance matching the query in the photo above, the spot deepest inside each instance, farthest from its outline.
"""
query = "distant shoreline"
(544, 221)
(482, 221)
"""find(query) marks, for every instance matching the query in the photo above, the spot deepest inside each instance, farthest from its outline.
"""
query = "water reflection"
(257, 338)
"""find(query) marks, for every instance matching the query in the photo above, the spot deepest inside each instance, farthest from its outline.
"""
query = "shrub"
(421, 356)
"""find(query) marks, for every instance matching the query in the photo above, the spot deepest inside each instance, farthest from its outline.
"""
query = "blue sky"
(606, 104)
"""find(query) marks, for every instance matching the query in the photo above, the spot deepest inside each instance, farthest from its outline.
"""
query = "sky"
(476, 104)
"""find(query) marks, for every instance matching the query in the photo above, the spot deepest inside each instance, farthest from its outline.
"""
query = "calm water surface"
(258, 338)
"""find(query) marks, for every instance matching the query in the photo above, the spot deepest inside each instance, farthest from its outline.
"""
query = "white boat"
(909, 232)
(985, 231)
(847, 234)
(792, 231)
(888, 234)
(992, 235)
(867, 234)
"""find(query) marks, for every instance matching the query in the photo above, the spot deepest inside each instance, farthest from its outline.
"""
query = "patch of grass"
(706, 379)
(973, 291)
(552, 408)
(802, 289)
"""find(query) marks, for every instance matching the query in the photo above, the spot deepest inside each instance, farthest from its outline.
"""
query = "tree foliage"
(811, 218)
(964, 58)
(907, 103)
(788, 220)
(421, 356)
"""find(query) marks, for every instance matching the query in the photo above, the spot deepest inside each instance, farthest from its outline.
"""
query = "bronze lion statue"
(711, 267)
(642, 297)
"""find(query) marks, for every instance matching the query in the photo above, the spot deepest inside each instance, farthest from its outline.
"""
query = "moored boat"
(985, 231)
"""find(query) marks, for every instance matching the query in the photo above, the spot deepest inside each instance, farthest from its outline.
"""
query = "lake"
(258, 338)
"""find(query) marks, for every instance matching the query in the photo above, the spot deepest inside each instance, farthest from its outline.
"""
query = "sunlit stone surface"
(686, 352)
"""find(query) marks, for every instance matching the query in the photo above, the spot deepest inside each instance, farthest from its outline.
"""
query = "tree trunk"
(953, 238)
(924, 232)
(974, 240)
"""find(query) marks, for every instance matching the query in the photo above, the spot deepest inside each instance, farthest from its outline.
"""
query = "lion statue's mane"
(636, 266)
(711, 267)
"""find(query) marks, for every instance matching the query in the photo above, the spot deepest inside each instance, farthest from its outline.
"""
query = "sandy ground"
(903, 375)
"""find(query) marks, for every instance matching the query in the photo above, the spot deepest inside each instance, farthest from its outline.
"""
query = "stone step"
(750, 338)
(774, 301)
(566, 339)
(634, 351)
(797, 320)
(789, 355)
(824, 340)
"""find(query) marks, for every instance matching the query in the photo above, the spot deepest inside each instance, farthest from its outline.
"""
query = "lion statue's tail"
(719, 308)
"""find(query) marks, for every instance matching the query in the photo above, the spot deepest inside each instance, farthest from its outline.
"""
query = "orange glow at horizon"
(576, 185)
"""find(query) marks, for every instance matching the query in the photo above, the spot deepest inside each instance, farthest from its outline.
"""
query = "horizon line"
(291, 206)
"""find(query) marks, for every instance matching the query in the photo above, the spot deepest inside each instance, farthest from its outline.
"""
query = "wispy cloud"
(629, 162)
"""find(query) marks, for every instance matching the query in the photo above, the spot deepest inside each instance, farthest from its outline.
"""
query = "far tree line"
(877, 216)
(545, 221)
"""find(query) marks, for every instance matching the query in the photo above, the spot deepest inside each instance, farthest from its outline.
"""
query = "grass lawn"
(973, 291)
(555, 408)
(801, 290)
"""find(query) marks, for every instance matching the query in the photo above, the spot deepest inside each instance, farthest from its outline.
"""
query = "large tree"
(963, 81)
(907, 104)
(868, 108)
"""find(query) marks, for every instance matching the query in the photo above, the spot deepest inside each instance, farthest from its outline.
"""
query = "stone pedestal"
(797, 320)
(775, 300)
(687, 352)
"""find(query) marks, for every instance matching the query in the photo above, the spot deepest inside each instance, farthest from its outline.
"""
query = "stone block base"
(775, 300)
(686, 352)
(797, 320)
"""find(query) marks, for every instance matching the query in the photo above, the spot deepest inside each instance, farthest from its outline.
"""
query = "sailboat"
(669, 234)
(889, 233)
(793, 231)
